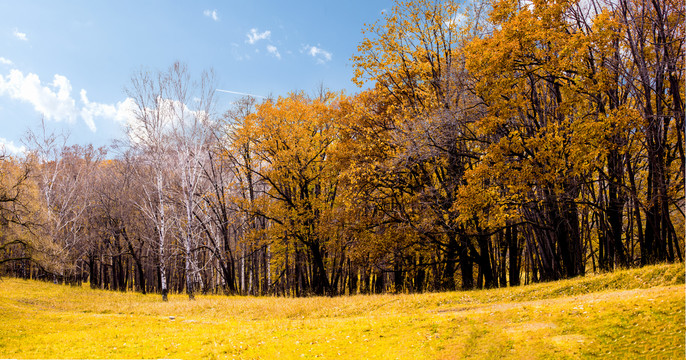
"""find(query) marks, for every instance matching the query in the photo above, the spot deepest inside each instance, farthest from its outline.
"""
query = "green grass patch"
(637, 313)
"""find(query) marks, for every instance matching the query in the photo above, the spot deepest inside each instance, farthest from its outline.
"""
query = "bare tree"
(149, 137)
(63, 176)
(170, 134)
(191, 104)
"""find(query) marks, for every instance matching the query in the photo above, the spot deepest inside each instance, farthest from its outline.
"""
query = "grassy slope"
(628, 314)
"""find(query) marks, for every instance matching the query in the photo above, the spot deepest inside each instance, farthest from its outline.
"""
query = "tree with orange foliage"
(290, 141)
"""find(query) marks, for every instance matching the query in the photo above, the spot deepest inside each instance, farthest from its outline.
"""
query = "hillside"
(626, 314)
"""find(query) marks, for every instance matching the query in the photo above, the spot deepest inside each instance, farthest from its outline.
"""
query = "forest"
(492, 144)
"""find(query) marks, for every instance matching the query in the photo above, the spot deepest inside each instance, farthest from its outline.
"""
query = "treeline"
(504, 143)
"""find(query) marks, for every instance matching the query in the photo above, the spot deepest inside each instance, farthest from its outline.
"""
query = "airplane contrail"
(240, 93)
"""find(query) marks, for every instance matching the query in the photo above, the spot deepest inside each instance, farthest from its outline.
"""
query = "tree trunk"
(448, 279)
(466, 266)
(514, 259)
(320, 280)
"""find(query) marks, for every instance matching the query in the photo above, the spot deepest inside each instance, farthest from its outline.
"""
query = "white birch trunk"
(162, 235)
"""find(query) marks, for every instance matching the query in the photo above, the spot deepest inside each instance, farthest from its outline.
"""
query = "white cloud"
(125, 111)
(5, 61)
(53, 101)
(274, 51)
(8, 146)
(172, 116)
(121, 112)
(211, 14)
(94, 109)
(19, 35)
(322, 56)
(254, 36)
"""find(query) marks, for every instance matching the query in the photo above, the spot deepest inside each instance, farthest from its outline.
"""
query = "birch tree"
(191, 108)
(149, 137)
(170, 133)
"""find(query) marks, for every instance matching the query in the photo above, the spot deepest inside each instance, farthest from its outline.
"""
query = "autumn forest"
(492, 144)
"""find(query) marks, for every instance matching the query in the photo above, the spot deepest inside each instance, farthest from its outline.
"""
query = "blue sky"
(69, 61)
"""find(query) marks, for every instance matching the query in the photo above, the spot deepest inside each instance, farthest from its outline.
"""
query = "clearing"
(636, 313)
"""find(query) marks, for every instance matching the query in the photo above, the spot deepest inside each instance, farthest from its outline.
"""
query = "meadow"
(636, 313)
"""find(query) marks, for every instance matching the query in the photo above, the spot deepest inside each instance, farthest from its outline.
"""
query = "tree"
(191, 135)
(532, 77)
(414, 56)
(63, 174)
(173, 115)
(118, 228)
(290, 139)
(654, 34)
(20, 216)
(150, 138)
(230, 177)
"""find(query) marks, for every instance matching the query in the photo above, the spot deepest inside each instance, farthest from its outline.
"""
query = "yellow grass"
(630, 314)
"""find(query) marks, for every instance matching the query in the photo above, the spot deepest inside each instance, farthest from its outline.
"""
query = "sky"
(69, 62)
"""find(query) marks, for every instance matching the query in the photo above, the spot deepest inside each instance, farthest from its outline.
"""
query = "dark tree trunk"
(352, 276)
(514, 258)
(93, 268)
(379, 283)
(397, 274)
(502, 265)
(466, 266)
(419, 275)
(616, 251)
(320, 281)
(448, 281)
(485, 267)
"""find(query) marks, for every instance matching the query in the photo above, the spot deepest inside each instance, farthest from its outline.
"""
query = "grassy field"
(629, 314)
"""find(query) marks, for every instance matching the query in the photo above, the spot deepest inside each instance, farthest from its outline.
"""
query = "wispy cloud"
(254, 36)
(240, 93)
(322, 56)
(274, 51)
(5, 61)
(211, 14)
(19, 35)
(238, 53)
